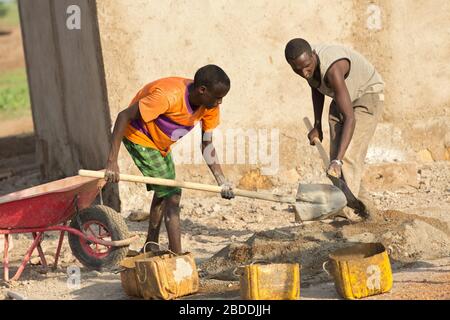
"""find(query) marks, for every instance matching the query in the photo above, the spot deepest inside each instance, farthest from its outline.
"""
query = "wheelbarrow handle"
(190, 185)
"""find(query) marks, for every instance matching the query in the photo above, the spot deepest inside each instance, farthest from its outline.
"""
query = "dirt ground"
(225, 234)
(11, 51)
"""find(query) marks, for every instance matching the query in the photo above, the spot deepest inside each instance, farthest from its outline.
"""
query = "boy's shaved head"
(296, 47)
(211, 76)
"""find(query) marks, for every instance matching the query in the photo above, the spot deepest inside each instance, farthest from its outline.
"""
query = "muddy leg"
(171, 209)
(154, 223)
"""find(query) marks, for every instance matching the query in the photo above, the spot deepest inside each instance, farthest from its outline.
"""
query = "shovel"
(311, 202)
(340, 183)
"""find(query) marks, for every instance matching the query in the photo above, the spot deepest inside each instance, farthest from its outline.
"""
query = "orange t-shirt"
(167, 115)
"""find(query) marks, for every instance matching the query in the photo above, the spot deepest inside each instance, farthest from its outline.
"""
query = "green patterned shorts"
(152, 164)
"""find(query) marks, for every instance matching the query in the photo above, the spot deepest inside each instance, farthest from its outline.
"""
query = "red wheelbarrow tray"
(48, 207)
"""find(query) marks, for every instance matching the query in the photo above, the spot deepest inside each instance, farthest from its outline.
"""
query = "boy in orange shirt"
(160, 114)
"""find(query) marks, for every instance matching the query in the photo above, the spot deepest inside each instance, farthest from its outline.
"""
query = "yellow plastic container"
(167, 277)
(270, 282)
(361, 271)
(128, 274)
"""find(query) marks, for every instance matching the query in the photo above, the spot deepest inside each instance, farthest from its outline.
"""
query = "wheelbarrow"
(98, 235)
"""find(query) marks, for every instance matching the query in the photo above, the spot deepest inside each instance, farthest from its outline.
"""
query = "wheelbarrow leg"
(58, 250)
(27, 257)
(41, 252)
(5, 259)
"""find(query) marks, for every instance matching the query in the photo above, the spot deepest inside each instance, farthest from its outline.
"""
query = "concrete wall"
(68, 93)
(145, 40)
(80, 80)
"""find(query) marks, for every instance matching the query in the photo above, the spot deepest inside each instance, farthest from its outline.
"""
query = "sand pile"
(254, 180)
(409, 237)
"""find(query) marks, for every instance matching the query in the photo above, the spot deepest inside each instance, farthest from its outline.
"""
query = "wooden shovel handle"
(318, 144)
(190, 185)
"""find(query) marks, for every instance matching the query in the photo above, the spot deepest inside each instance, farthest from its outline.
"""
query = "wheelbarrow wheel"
(103, 223)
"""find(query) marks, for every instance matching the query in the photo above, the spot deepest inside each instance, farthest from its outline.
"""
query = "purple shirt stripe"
(172, 129)
(137, 124)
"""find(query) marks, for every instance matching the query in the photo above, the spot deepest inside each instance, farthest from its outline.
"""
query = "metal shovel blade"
(318, 201)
